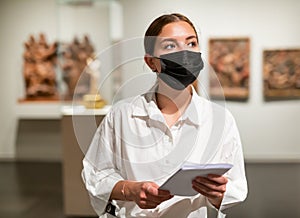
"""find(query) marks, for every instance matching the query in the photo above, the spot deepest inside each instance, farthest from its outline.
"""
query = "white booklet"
(180, 183)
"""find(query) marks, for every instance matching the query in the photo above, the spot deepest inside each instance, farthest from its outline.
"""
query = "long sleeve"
(236, 189)
(100, 173)
(230, 151)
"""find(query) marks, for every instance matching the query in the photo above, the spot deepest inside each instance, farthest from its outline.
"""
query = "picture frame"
(281, 74)
(230, 60)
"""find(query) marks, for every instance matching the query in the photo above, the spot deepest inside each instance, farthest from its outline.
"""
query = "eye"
(169, 46)
(193, 44)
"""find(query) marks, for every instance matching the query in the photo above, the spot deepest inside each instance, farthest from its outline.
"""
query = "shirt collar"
(148, 108)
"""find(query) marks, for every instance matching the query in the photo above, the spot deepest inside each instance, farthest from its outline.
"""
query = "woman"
(141, 142)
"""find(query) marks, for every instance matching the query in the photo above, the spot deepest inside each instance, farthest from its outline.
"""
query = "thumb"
(152, 190)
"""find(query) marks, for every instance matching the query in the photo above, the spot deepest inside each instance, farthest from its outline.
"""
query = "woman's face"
(175, 37)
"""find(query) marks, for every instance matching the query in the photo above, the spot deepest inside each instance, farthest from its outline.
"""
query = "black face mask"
(180, 69)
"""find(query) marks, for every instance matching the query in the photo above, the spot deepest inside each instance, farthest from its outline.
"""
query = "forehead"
(177, 29)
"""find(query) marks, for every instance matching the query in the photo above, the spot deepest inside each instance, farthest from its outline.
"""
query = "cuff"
(212, 211)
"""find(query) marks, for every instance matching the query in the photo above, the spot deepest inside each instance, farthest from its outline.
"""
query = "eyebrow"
(174, 40)
(191, 37)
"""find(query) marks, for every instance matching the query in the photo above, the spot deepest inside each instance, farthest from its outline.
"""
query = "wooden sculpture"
(75, 57)
(39, 69)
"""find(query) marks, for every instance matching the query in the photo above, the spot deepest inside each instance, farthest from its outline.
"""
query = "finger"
(212, 179)
(205, 181)
(217, 178)
(147, 204)
(146, 198)
(156, 200)
(209, 184)
(204, 190)
(154, 190)
(157, 192)
(154, 194)
(149, 187)
(163, 192)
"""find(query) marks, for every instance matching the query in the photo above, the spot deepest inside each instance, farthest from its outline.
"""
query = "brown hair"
(156, 26)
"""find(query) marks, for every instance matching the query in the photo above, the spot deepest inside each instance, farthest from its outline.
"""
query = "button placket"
(167, 143)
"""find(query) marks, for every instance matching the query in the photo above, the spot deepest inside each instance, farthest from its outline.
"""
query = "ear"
(150, 62)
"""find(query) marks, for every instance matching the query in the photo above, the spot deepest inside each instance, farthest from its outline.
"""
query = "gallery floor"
(34, 190)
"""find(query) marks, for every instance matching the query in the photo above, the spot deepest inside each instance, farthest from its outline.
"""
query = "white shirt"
(133, 142)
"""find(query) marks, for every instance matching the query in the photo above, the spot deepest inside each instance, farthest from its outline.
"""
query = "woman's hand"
(212, 186)
(145, 194)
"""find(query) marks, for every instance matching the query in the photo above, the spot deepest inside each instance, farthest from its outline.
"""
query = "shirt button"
(166, 139)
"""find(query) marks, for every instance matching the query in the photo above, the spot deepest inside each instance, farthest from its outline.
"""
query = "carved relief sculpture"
(229, 57)
(39, 69)
(281, 74)
(75, 58)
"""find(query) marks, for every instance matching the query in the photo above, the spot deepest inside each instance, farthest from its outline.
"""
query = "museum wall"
(269, 130)
(18, 19)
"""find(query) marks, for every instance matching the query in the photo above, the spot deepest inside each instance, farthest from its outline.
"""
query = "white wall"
(268, 129)
(17, 20)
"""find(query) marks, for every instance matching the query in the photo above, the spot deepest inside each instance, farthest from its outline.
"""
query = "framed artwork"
(229, 58)
(281, 74)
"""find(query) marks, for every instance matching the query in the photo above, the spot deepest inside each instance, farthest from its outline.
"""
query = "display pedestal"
(38, 135)
(38, 109)
(76, 199)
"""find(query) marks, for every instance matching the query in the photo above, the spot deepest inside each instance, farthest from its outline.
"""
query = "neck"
(171, 101)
